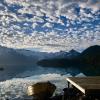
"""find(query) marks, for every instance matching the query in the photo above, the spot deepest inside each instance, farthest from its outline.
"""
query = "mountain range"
(22, 57)
(88, 61)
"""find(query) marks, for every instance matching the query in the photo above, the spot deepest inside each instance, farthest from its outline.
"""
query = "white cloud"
(54, 8)
(13, 35)
(49, 25)
(37, 19)
(34, 25)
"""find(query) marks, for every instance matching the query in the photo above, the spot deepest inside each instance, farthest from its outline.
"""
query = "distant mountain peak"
(73, 51)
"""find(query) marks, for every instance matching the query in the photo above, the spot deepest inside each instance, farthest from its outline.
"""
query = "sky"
(50, 25)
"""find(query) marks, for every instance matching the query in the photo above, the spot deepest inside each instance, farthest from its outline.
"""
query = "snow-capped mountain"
(45, 55)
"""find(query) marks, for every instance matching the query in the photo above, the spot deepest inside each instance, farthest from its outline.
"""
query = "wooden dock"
(86, 85)
(79, 88)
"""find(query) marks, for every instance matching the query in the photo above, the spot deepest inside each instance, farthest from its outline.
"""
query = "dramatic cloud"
(50, 25)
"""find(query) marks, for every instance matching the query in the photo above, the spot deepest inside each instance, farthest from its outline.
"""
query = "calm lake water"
(15, 87)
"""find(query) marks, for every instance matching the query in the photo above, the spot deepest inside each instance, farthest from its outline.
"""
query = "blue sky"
(50, 25)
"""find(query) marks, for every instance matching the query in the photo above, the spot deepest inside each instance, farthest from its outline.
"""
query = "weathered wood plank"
(76, 85)
(86, 84)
